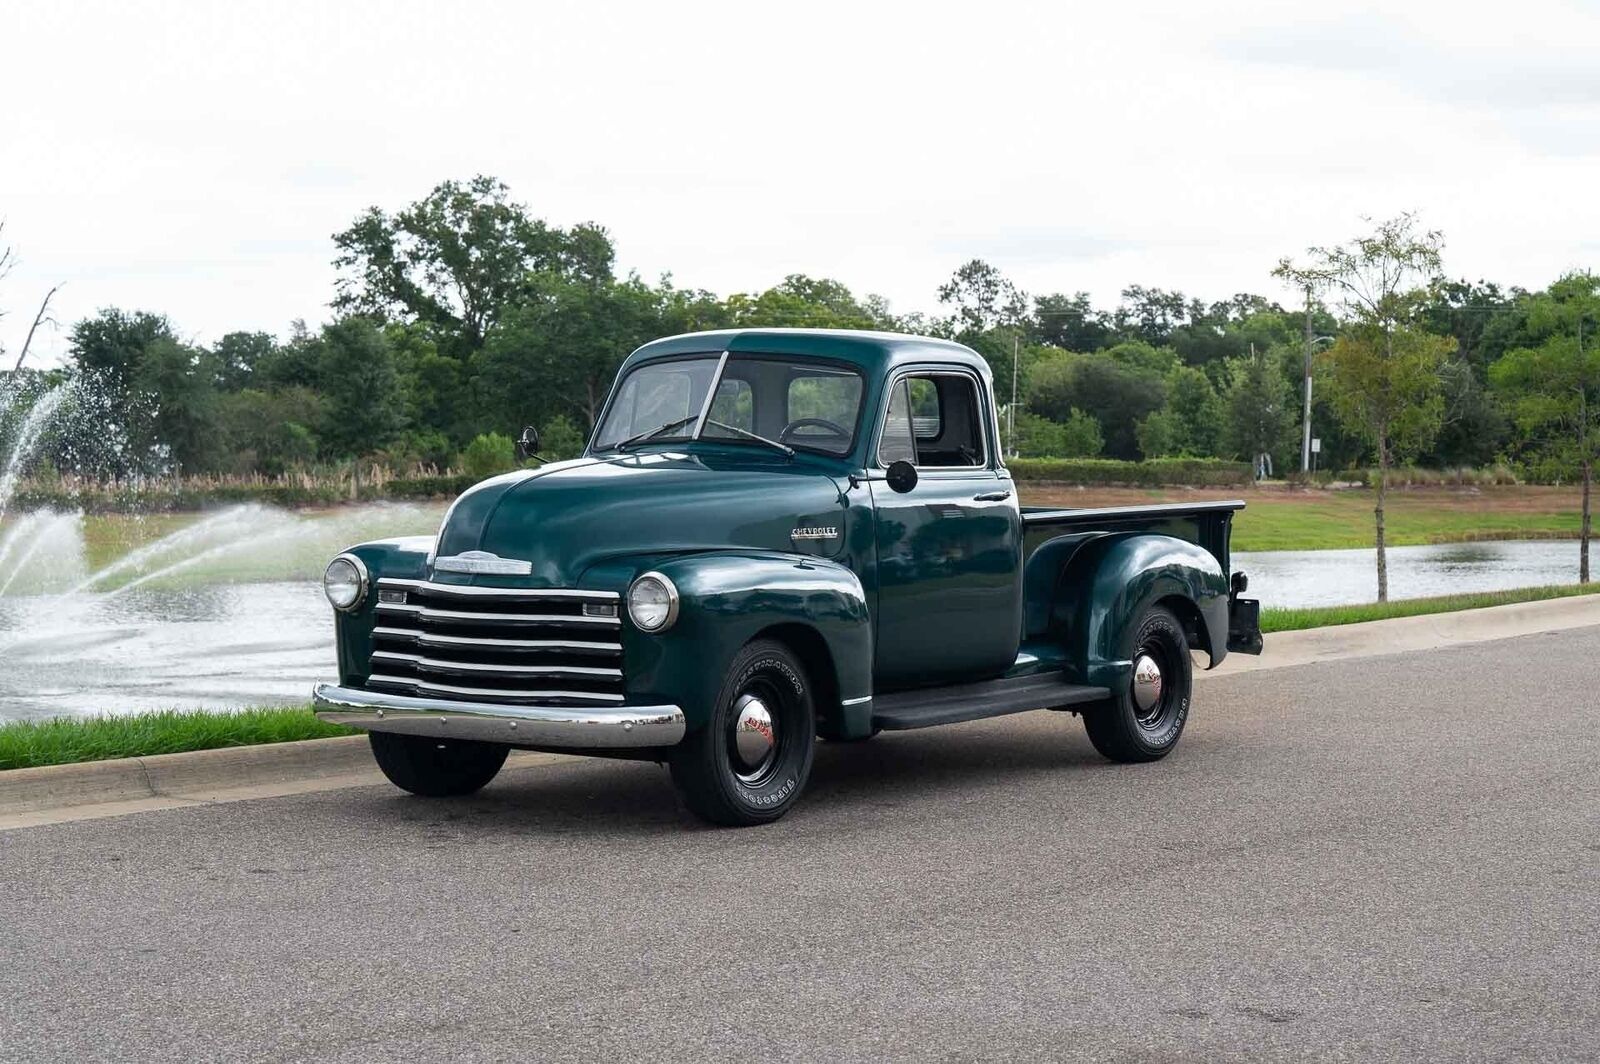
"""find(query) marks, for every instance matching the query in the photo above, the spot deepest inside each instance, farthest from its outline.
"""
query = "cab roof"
(874, 352)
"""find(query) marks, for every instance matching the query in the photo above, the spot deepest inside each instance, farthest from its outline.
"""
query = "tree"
(1078, 437)
(982, 298)
(1551, 389)
(177, 379)
(133, 365)
(1259, 409)
(809, 303)
(456, 259)
(1160, 435)
(362, 388)
(1069, 322)
(1193, 402)
(1118, 395)
(1384, 371)
(236, 356)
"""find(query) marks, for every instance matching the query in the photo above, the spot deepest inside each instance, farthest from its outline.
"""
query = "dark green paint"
(929, 587)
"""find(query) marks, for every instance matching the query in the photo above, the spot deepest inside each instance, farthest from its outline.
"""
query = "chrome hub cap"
(754, 737)
(1146, 684)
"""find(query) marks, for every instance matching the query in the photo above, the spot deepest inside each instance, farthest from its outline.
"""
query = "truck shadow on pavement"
(598, 797)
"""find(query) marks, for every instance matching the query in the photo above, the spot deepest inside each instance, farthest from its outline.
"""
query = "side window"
(896, 443)
(926, 418)
(733, 405)
(941, 413)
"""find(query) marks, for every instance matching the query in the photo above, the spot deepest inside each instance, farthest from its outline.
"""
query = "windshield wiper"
(784, 447)
(653, 433)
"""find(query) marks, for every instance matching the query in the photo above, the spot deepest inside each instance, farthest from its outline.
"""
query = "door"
(949, 581)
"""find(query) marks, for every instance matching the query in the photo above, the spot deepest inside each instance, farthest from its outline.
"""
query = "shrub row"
(184, 495)
(1109, 472)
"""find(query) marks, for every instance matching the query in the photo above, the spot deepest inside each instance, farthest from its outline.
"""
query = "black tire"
(723, 786)
(436, 768)
(1124, 730)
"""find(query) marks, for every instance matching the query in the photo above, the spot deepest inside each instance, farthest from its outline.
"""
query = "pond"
(127, 614)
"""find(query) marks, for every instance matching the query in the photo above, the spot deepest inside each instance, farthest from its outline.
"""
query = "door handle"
(992, 496)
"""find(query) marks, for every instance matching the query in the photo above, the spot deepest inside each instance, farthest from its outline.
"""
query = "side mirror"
(528, 442)
(902, 476)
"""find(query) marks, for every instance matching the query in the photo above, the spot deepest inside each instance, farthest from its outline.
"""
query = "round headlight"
(653, 602)
(345, 582)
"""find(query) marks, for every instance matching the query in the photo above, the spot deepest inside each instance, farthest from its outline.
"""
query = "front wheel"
(436, 768)
(750, 761)
(1143, 721)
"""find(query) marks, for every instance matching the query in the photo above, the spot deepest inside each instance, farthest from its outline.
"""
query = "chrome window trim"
(938, 370)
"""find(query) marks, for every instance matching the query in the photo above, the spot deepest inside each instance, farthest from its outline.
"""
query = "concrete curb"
(1431, 631)
(56, 793)
(34, 796)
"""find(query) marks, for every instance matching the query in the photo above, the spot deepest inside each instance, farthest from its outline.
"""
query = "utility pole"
(1011, 411)
(1305, 439)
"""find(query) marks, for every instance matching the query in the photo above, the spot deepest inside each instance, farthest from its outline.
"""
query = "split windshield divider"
(711, 393)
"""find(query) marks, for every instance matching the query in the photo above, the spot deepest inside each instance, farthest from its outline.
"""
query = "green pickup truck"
(774, 535)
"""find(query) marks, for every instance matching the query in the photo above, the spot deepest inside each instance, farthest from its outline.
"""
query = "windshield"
(664, 397)
(759, 401)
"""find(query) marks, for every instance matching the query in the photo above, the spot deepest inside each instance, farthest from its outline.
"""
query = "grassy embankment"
(1279, 519)
(28, 744)
(65, 740)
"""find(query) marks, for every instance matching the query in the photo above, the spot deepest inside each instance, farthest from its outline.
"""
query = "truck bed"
(1205, 524)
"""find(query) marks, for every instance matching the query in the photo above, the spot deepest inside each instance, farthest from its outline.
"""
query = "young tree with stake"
(1384, 371)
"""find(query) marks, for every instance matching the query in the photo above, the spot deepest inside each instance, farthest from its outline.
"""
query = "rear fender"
(728, 598)
(1109, 583)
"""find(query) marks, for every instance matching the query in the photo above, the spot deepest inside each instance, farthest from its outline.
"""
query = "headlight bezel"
(363, 582)
(672, 601)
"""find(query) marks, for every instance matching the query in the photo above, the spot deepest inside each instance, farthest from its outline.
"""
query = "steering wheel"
(839, 432)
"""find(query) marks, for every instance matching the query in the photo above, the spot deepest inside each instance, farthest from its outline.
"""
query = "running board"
(931, 706)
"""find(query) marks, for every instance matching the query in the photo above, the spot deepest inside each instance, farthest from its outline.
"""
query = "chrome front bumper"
(579, 727)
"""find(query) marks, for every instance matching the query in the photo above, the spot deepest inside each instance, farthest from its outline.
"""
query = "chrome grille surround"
(507, 645)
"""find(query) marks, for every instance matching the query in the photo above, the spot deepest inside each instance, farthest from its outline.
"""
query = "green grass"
(1345, 521)
(1294, 620)
(66, 740)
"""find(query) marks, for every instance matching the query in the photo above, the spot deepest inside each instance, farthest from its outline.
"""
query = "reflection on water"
(226, 609)
(204, 647)
(1344, 577)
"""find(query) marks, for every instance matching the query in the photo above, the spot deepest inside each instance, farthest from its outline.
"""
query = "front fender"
(726, 599)
(1111, 582)
(407, 558)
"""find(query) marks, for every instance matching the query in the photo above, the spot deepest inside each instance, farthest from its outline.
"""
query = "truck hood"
(568, 516)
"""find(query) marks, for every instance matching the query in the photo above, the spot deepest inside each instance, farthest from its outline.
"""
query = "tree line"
(464, 314)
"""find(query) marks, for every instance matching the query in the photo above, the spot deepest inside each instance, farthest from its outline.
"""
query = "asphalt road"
(1391, 858)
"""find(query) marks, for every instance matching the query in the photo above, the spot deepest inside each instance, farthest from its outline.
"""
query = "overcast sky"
(194, 159)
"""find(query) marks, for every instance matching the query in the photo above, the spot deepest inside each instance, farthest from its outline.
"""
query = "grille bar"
(503, 644)
(553, 594)
(428, 613)
(541, 695)
(441, 665)
(432, 639)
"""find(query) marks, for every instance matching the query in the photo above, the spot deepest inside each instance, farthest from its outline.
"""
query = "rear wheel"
(750, 762)
(1144, 721)
(436, 768)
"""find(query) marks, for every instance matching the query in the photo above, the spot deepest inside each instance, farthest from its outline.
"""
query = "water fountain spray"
(28, 436)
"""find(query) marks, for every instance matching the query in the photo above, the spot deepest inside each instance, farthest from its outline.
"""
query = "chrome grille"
(497, 644)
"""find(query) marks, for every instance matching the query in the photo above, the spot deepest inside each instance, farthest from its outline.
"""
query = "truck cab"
(773, 536)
